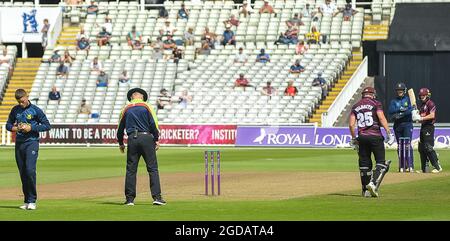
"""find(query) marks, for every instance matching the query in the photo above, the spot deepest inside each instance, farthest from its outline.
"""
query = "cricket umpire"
(427, 111)
(400, 110)
(141, 125)
(27, 120)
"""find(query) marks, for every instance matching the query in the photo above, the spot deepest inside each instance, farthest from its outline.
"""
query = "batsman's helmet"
(424, 92)
(400, 86)
(369, 90)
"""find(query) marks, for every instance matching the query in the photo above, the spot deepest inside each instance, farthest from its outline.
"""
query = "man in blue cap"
(400, 111)
(141, 125)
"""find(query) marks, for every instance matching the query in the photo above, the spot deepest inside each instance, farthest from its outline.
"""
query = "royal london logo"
(29, 117)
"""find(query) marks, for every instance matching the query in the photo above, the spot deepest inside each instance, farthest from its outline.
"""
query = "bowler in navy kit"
(400, 110)
(27, 120)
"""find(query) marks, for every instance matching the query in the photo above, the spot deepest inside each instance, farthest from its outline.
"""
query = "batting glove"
(391, 139)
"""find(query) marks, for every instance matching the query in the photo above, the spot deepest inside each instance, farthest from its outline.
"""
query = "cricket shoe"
(31, 206)
(24, 206)
(159, 202)
(128, 203)
(437, 170)
(366, 193)
(372, 189)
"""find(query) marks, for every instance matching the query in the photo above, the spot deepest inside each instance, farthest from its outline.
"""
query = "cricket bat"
(412, 98)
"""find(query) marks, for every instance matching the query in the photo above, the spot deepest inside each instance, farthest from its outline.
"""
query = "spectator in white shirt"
(4, 59)
(245, 9)
(328, 8)
(96, 66)
(108, 25)
(241, 57)
(82, 34)
(124, 79)
(167, 29)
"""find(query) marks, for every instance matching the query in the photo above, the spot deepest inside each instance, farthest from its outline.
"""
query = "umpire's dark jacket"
(137, 116)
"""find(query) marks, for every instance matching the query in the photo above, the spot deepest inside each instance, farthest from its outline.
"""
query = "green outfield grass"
(417, 200)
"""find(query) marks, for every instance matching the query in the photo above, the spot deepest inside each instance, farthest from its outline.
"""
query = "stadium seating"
(11, 52)
(209, 79)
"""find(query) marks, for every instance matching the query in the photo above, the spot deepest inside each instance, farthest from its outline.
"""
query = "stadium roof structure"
(418, 27)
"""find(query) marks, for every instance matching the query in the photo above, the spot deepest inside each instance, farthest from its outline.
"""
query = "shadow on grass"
(112, 203)
(10, 207)
(344, 195)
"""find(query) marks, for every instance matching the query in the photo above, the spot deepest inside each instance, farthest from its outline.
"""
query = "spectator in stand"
(269, 90)
(185, 98)
(44, 32)
(132, 36)
(301, 48)
(242, 82)
(5, 59)
(291, 90)
(348, 12)
(296, 68)
(169, 43)
(157, 53)
(93, 8)
(205, 49)
(177, 54)
(158, 43)
(83, 44)
(54, 94)
(266, 8)
(163, 13)
(96, 66)
(137, 44)
(328, 8)
(62, 71)
(313, 37)
(67, 58)
(74, 2)
(262, 57)
(108, 25)
(183, 13)
(55, 58)
(189, 37)
(228, 37)
(290, 36)
(209, 37)
(124, 79)
(319, 81)
(295, 21)
(103, 37)
(164, 99)
(81, 34)
(241, 57)
(233, 21)
(309, 13)
(102, 79)
(168, 29)
(245, 9)
(84, 108)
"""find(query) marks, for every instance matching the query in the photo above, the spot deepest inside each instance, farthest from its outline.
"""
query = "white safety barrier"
(332, 114)
(3, 135)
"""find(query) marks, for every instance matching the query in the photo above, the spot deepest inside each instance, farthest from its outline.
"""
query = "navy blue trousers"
(26, 159)
(405, 130)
